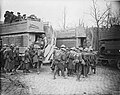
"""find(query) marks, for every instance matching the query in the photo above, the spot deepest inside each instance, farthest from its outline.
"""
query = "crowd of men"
(74, 61)
(10, 17)
(11, 60)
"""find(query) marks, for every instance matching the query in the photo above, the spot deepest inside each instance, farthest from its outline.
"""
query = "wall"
(18, 40)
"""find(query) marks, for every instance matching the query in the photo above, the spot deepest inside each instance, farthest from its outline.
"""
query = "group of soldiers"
(11, 60)
(74, 61)
(10, 17)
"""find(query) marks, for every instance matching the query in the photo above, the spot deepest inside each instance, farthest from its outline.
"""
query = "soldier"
(40, 58)
(93, 61)
(7, 17)
(12, 17)
(79, 63)
(64, 58)
(59, 64)
(9, 58)
(19, 17)
(42, 41)
(27, 61)
(53, 61)
(67, 59)
(85, 62)
(24, 17)
(2, 57)
(31, 53)
(16, 58)
(71, 66)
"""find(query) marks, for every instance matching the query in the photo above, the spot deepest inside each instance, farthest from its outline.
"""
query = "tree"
(99, 18)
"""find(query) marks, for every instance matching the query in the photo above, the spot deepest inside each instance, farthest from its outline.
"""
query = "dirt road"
(105, 81)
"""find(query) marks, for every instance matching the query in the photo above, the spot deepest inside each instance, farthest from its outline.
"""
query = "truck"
(24, 33)
(109, 46)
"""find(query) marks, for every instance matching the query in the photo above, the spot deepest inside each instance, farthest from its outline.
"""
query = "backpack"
(63, 56)
(57, 55)
(71, 56)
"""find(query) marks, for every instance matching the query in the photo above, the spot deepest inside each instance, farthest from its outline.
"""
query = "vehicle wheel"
(118, 64)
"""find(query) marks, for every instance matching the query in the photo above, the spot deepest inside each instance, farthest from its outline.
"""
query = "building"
(73, 37)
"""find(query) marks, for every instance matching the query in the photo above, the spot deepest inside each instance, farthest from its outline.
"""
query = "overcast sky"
(52, 10)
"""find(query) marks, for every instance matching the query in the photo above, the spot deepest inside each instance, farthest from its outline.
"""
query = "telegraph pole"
(64, 22)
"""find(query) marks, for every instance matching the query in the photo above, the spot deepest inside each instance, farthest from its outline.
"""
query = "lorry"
(109, 49)
(24, 33)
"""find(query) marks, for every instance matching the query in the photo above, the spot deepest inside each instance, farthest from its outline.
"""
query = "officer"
(16, 58)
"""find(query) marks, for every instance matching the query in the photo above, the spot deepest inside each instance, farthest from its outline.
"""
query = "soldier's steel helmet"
(24, 14)
(4, 45)
(12, 45)
(55, 47)
(91, 49)
(18, 12)
(17, 47)
(73, 48)
(86, 49)
(81, 49)
(63, 49)
(62, 46)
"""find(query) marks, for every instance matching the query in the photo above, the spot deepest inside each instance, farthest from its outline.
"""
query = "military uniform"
(31, 53)
(9, 59)
(7, 17)
(54, 57)
(35, 58)
(71, 65)
(19, 17)
(59, 62)
(40, 59)
(16, 58)
(93, 62)
(86, 67)
(2, 60)
(79, 65)
(27, 60)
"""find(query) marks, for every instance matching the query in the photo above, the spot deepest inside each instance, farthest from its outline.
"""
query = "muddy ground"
(105, 81)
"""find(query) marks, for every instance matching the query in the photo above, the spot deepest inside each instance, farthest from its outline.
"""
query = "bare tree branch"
(103, 14)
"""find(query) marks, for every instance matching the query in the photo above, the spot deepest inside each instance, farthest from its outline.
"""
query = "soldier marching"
(68, 61)
(76, 61)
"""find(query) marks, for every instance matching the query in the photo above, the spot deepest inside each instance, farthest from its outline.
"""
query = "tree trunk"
(97, 37)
